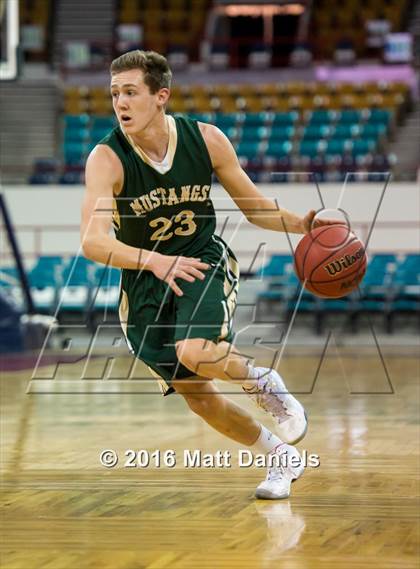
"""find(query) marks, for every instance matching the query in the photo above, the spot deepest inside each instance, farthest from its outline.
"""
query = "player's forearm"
(109, 251)
(277, 219)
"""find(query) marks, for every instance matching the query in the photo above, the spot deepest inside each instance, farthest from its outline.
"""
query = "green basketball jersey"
(170, 213)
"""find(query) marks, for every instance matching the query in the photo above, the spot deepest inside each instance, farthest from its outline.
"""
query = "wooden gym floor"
(62, 510)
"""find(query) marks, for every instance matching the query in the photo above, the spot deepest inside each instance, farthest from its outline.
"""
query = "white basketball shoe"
(287, 466)
(270, 393)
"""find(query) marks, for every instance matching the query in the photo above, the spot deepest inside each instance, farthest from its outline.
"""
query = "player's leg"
(229, 419)
(263, 385)
(203, 342)
(221, 413)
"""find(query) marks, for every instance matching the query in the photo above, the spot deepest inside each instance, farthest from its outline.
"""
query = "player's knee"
(199, 404)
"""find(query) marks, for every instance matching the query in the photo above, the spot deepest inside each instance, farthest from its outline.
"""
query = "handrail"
(361, 228)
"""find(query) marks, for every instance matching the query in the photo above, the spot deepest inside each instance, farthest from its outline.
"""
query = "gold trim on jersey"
(123, 310)
(116, 222)
(170, 153)
(231, 287)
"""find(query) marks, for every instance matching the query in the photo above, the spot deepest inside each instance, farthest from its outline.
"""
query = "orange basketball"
(330, 261)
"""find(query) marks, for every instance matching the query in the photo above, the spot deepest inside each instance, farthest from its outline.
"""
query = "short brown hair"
(157, 74)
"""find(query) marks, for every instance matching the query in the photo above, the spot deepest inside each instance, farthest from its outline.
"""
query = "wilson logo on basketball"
(345, 262)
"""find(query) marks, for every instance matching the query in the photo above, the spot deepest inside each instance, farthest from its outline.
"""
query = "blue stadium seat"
(72, 176)
(42, 178)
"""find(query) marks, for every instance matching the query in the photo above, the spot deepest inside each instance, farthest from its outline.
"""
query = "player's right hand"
(168, 268)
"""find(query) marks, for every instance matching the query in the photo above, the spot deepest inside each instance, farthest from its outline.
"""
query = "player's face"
(134, 104)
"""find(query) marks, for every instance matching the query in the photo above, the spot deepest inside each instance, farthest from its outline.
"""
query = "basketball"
(330, 261)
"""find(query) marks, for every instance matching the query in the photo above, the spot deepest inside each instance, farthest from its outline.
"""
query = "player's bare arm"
(258, 209)
(104, 181)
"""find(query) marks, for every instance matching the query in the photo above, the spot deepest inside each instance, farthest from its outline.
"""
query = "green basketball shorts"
(154, 318)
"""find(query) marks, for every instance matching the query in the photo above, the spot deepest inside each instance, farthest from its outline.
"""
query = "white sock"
(253, 377)
(266, 442)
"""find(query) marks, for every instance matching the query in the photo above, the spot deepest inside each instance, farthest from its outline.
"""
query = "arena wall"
(46, 218)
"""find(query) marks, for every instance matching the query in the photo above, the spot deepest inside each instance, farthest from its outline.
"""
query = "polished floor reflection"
(62, 510)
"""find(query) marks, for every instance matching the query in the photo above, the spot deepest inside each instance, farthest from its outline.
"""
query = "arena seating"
(330, 27)
(390, 289)
(326, 128)
(36, 18)
(167, 26)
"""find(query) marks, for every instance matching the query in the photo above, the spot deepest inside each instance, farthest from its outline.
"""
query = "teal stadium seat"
(106, 288)
(338, 146)
(285, 119)
(363, 146)
(252, 133)
(76, 121)
(311, 148)
(346, 131)
(379, 116)
(349, 116)
(77, 134)
(202, 117)
(316, 132)
(256, 119)
(280, 133)
(373, 130)
(276, 266)
(322, 116)
(248, 149)
(225, 120)
(279, 149)
(231, 132)
(104, 123)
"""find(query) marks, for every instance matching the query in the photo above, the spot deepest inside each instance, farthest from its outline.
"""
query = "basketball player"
(151, 177)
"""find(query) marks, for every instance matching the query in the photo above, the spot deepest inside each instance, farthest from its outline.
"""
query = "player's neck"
(154, 139)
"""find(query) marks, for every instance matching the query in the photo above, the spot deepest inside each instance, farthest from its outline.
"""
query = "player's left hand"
(309, 223)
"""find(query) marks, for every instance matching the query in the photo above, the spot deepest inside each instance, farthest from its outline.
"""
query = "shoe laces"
(277, 472)
(268, 399)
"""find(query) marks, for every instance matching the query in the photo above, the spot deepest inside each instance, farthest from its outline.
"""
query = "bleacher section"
(166, 26)
(36, 24)
(326, 128)
(331, 27)
(390, 289)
